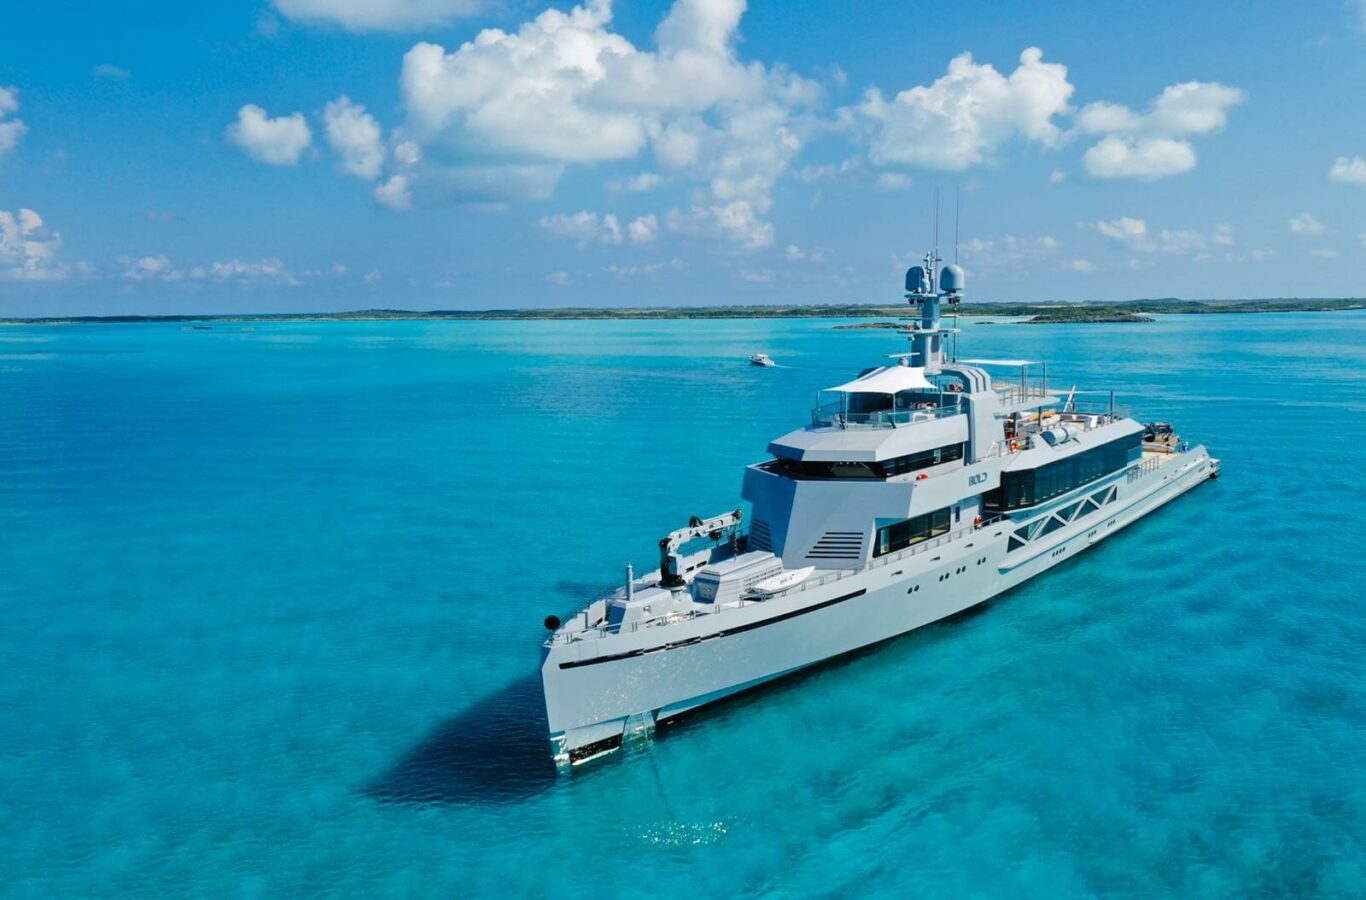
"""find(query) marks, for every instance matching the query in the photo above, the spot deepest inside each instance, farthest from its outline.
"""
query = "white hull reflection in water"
(919, 490)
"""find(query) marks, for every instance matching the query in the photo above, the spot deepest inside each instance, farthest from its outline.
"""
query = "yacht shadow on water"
(495, 751)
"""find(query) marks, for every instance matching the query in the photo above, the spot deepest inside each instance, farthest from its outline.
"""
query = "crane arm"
(696, 528)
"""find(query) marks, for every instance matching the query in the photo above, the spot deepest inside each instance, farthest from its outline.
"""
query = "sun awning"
(888, 380)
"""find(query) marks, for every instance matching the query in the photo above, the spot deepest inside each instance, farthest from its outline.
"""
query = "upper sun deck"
(889, 397)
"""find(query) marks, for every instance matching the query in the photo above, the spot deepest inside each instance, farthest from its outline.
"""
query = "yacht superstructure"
(920, 489)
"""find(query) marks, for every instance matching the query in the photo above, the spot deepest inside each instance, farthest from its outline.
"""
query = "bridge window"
(923, 460)
(797, 468)
(899, 535)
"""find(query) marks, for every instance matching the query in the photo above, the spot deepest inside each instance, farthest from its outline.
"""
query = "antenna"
(957, 194)
(936, 224)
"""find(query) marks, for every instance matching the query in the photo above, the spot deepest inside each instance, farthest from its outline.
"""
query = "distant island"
(1042, 313)
(1071, 314)
(1086, 314)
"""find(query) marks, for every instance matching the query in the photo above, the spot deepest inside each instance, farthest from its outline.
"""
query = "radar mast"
(927, 291)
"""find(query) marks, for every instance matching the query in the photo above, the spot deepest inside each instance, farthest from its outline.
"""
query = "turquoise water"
(272, 602)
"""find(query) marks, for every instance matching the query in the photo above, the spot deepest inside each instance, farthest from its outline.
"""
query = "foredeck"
(591, 622)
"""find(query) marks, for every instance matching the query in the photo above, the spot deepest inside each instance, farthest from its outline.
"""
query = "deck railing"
(932, 543)
(1014, 394)
(833, 415)
(816, 580)
(1151, 464)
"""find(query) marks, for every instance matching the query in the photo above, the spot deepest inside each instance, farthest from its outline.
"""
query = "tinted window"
(1028, 487)
(898, 535)
(886, 468)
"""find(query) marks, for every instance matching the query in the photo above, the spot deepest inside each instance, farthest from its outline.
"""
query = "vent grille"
(760, 538)
(838, 545)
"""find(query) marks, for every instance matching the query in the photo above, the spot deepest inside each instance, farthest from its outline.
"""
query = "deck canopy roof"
(1000, 362)
(888, 380)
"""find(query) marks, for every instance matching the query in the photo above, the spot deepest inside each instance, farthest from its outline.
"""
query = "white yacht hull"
(601, 690)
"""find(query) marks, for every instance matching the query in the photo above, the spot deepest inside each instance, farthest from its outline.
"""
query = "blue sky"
(288, 155)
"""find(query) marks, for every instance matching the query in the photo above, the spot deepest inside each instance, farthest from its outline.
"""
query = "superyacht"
(918, 490)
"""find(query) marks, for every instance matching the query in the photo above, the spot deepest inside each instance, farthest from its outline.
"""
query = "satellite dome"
(917, 281)
(951, 279)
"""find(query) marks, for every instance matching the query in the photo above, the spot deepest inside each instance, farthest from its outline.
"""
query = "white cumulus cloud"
(645, 181)
(1305, 223)
(531, 94)
(793, 253)
(278, 142)
(1131, 232)
(1122, 156)
(582, 226)
(501, 117)
(1153, 144)
(1134, 234)
(1349, 171)
(264, 271)
(394, 193)
(1009, 250)
(28, 249)
(355, 136)
(378, 15)
(148, 268)
(1194, 107)
(11, 129)
(586, 227)
(644, 229)
(966, 116)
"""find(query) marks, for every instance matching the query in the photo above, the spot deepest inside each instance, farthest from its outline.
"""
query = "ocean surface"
(272, 597)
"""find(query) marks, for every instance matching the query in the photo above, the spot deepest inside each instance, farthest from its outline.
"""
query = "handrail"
(1011, 394)
(1005, 447)
(814, 581)
(833, 414)
(1152, 464)
(934, 542)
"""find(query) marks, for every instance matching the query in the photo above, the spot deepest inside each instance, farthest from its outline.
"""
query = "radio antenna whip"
(957, 194)
(936, 224)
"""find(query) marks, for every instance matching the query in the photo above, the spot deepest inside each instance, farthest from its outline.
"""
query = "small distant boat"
(761, 359)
